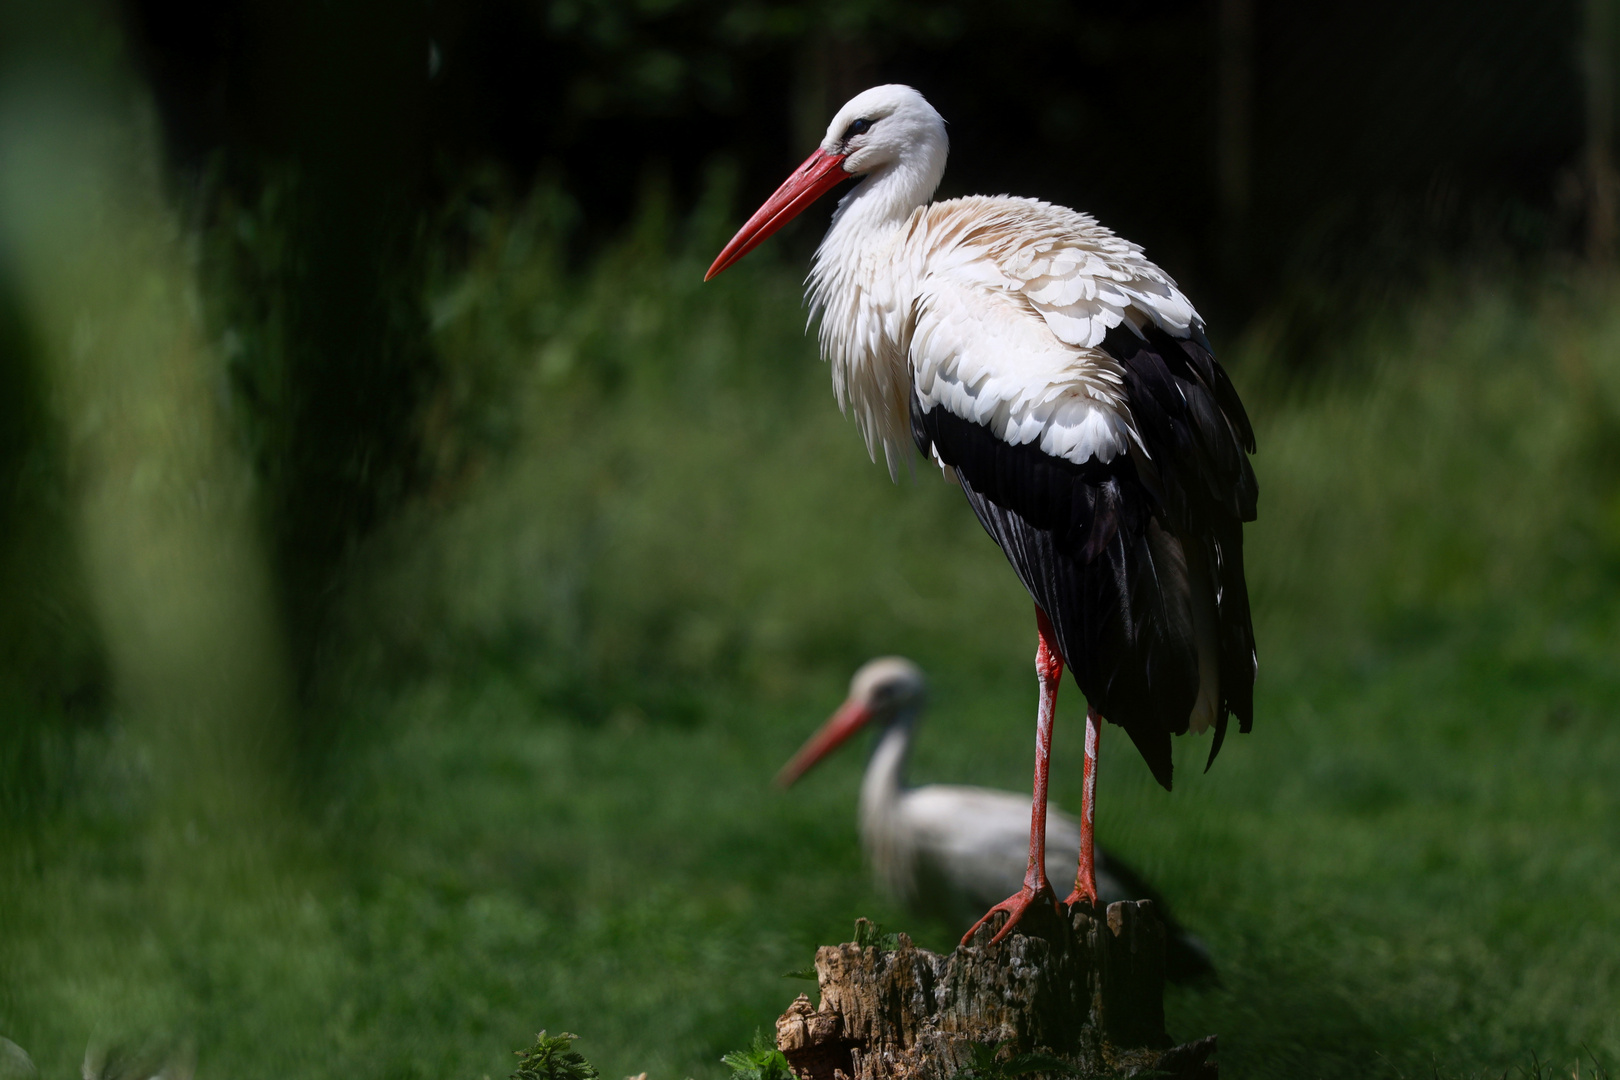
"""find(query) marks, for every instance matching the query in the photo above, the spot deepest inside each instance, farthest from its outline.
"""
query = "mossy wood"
(1074, 996)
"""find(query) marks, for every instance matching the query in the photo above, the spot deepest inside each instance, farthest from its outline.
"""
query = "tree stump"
(1060, 996)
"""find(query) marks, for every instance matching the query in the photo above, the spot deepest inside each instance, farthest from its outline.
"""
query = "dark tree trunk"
(1069, 996)
(1234, 130)
(1603, 186)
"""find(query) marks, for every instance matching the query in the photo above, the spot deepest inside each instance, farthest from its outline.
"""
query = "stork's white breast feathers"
(998, 308)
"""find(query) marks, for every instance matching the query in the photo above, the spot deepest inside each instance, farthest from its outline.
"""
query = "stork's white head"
(884, 691)
(888, 686)
(889, 125)
(888, 134)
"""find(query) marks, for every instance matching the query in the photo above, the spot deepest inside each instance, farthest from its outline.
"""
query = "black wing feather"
(1101, 547)
(1199, 436)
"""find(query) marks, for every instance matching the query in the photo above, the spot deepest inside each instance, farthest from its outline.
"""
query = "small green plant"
(1541, 1070)
(869, 934)
(553, 1057)
(986, 1064)
(761, 1061)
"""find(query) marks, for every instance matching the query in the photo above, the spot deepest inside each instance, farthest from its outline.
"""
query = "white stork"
(1066, 383)
(951, 850)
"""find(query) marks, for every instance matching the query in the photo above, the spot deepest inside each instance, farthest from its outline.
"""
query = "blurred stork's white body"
(953, 849)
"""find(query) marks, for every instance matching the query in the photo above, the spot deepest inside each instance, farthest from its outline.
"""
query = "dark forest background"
(1265, 150)
(1296, 166)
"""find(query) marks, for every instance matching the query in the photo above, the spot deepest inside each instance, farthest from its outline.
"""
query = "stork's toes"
(1081, 897)
(1014, 906)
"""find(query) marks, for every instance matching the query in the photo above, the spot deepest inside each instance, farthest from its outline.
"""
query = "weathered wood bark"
(1088, 992)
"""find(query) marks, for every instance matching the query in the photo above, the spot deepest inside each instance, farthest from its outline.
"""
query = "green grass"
(567, 675)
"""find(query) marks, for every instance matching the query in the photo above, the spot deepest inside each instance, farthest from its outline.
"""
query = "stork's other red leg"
(1049, 669)
(1085, 881)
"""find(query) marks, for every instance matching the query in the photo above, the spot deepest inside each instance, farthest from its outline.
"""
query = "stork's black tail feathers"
(1117, 557)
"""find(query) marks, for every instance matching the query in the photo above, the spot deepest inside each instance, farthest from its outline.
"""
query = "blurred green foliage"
(51, 678)
(315, 292)
(575, 550)
(332, 157)
(648, 556)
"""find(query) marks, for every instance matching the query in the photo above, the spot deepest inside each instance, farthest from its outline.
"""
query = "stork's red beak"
(820, 173)
(850, 718)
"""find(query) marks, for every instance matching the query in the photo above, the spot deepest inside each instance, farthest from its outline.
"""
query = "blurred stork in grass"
(950, 850)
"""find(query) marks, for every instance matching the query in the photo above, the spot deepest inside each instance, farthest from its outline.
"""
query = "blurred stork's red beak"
(820, 173)
(850, 718)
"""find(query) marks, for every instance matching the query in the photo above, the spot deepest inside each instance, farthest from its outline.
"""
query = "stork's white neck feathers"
(881, 790)
(856, 284)
(886, 198)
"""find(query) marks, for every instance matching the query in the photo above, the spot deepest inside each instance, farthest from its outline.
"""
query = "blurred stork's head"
(888, 687)
(888, 690)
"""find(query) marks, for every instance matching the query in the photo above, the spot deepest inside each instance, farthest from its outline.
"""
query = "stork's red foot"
(1080, 896)
(1015, 906)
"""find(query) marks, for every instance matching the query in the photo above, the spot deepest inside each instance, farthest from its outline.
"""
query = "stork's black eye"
(859, 127)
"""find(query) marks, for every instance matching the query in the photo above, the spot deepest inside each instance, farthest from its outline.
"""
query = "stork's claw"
(1080, 896)
(1015, 906)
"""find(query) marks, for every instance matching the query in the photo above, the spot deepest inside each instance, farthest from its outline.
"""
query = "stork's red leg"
(1085, 881)
(1049, 669)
